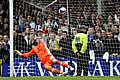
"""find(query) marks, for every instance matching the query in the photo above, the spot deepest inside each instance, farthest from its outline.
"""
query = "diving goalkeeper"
(45, 57)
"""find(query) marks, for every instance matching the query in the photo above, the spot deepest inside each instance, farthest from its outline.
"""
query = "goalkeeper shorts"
(47, 61)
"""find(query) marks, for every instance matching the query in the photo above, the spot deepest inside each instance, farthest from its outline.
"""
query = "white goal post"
(11, 37)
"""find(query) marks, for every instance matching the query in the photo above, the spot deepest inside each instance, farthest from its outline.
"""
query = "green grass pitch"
(63, 78)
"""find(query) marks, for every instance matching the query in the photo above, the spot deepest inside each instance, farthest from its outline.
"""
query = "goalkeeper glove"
(79, 54)
(18, 53)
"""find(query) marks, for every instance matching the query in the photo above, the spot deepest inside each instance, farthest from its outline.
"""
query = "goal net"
(57, 27)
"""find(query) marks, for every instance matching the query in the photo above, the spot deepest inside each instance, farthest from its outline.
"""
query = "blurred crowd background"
(31, 22)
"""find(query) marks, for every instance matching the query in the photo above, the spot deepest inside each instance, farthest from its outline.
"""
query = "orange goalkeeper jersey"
(41, 50)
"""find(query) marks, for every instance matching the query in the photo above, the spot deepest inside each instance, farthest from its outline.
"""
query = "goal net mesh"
(40, 18)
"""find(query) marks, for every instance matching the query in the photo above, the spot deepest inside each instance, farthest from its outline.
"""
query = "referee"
(79, 46)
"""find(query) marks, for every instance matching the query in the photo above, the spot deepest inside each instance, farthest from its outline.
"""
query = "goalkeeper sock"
(62, 64)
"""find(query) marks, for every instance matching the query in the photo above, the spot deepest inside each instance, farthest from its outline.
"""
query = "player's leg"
(80, 64)
(54, 70)
(55, 61)
(86, 64)
(48, 66)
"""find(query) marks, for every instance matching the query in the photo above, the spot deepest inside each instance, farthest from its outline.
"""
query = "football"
(62, 10)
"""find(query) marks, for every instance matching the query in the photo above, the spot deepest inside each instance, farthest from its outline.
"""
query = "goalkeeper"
(45, 57)
(79, 46)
